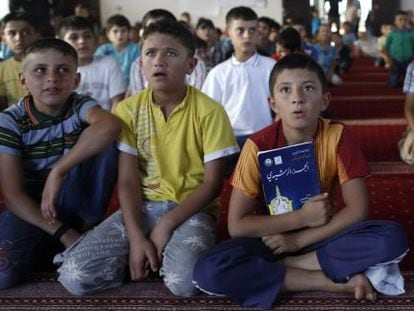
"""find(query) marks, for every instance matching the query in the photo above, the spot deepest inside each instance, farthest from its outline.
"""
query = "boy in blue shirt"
(126, 52)
(58, 163)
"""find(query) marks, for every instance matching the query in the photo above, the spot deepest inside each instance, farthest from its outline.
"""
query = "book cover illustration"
(289, 177)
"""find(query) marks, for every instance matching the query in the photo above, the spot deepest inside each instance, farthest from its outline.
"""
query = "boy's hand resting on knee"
(316, 211)
(142, 258)
(160, 235)
(50, 195)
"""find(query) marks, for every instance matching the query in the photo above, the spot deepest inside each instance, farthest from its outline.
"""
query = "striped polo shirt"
(41, 140)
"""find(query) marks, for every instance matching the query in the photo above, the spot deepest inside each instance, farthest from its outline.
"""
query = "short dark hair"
(157, 14)
(74, 23)
(174, 29)
(290, 38)
(266, 20)
(400, 12)
(297, 61)
(117, 20)
(51, 44)
(241, 12)
(205, 23)
(19, 16)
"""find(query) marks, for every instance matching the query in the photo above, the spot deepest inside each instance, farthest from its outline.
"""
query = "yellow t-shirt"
(172, 152)
(10, 85)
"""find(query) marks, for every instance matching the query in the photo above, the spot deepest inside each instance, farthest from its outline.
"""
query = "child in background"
(101, 76)
(289, 42)
(171, 165)
(327, 55)
(406, 144)
(124, 51)
(18, 31)
(316, 247)
(240, 83)
(58, 161)
(383, 59)
(315, 21)
(400, 47)
(349, 37)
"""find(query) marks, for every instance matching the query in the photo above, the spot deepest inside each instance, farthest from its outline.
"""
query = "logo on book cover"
(275, 161)
(280, 204)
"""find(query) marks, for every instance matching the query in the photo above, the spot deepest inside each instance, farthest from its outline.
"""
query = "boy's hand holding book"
(316, 211)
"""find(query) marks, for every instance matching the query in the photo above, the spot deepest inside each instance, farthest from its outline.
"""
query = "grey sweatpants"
(99, 259)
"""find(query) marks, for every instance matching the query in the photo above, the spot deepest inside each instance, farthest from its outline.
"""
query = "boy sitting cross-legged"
(58, 161)
(173, 148)
(316, 247)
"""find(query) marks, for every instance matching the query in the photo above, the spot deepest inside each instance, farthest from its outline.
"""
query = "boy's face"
(118, 35)
(205, 33)
(18, 35)
(165, 62)
(324, 34)
(83, 41)
(263, 31)
(298, 99)
(401, 21)
(50, 77)
(244, 36)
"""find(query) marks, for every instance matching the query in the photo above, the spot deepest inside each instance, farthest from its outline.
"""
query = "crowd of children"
(160, 109)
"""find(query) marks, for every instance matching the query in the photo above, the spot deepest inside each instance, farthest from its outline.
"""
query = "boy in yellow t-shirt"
(172, 161)
(18, 30)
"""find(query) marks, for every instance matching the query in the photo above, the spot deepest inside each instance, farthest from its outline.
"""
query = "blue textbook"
(289, 177)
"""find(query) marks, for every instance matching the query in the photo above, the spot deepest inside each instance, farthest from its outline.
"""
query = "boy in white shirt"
(101, 75)
(240, 83)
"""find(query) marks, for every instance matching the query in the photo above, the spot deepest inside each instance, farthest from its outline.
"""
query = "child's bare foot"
(362, 288)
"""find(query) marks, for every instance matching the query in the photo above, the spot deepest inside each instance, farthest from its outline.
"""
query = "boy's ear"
(22, 80)
(272, 103)
(192, 64)
(77, 80)
(326, 99)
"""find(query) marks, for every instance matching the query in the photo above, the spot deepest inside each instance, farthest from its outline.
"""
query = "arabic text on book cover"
(289, 177)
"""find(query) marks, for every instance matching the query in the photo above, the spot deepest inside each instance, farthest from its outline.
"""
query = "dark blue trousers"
(246, 271)
(84, 196)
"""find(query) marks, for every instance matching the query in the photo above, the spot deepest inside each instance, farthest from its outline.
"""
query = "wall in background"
(213, 9)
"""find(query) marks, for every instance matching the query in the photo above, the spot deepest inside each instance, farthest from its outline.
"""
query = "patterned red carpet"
(42, 292)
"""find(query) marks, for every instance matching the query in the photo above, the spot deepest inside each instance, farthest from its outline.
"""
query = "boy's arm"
(20, 204)
(103, 129)
(142, 254)
(206, 192)
(243, 222)
(356, 209)
(115, 100)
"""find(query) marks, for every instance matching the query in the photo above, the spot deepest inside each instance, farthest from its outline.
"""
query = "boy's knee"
(205, 277)
(394, 240)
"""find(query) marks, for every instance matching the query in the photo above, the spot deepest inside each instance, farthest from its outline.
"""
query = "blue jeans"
(397, 73)
(101, 255)
(84, 197)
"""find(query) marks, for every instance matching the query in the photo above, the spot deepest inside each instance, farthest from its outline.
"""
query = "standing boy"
(406, 144)
(18, 31)
(57, 160)
(316, 247)
(101, 76)
(173, 148)
(125, 52)
(400, 47)
(240, 83)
